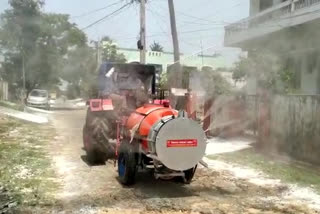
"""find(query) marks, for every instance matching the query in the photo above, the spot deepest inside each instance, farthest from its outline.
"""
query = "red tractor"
(149, 135)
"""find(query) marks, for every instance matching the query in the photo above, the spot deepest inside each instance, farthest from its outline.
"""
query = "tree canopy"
(110, 51)
(273, 72)
(49, 47)
(214, 83)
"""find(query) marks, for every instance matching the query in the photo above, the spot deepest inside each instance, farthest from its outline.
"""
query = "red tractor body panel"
(100, 105)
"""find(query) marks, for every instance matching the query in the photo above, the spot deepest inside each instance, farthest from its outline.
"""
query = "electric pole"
(201, 51)
(143, 31)
(175, 75)
(174, 33)
(99, 52)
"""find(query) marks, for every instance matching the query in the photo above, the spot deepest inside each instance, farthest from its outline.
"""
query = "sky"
(200, 23)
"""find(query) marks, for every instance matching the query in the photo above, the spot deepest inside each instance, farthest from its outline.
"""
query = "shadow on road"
(84, 158)
(148, 187)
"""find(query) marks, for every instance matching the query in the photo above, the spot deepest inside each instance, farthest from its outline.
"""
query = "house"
(165, 59)
(290, 28)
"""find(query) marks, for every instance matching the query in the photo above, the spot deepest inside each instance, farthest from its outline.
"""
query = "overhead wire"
(192, 31)
(206, 20)
(107, 16)
(161, 34)
(96, 10)
(121, 26)
(153, 12)
(165, 33)
(217, 12)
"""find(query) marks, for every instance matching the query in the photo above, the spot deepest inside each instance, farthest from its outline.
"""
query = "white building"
(166, 58)
(284, 27)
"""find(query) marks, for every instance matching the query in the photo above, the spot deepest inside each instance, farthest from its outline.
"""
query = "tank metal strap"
(149, 112)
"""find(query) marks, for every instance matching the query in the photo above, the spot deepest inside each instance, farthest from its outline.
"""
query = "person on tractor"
(108, 87)
(124, 88)
(135, 90)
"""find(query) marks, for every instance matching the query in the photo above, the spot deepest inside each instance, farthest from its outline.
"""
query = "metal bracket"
(153, 157)
(204, 164)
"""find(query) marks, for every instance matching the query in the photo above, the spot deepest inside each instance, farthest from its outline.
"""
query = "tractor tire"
(127, 164)
(188, 175)
(94, 156)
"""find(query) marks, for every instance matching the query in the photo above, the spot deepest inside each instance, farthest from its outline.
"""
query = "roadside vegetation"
(26, 177)
(50, 47)
(286, 170)
(11, 105)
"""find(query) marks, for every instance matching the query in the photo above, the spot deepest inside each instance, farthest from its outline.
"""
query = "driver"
(108, 86)
(137, 94)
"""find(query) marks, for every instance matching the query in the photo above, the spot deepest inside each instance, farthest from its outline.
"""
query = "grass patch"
(287, 171)
(14, 106)
(26, 174)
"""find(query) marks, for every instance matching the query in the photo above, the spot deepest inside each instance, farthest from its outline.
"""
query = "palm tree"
(155, 46)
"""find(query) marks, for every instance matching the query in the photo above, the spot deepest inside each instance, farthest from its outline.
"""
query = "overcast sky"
(197, 20)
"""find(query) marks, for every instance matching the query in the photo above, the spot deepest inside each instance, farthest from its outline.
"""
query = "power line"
(201, 30)
(217, 12)
(154, 12)
(204, 24)
(183, 32)
(190, 22)
(163, 34)
(161, 28)
(94, 11)
(194, 17)
(107, 16)
(205, 19)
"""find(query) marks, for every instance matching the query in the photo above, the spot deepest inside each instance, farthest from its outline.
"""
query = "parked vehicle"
(38, 98)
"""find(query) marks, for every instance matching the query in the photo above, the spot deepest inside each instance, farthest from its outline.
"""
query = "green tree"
(242, 67)
(155, 46)
(19, 33)
(214, 83)
(110, 51)
(48, 42)
(274, 72)
(79, 70)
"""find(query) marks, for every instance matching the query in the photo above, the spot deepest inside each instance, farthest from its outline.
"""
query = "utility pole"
(174, 33)
(99, 52)
(143, 31)
(201, 51)
(175, 75)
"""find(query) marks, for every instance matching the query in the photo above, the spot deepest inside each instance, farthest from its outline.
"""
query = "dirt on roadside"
(95, 189)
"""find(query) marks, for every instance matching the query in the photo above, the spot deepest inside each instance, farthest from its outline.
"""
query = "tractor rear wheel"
(127, 163)
(94, 156)
(188, 175)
